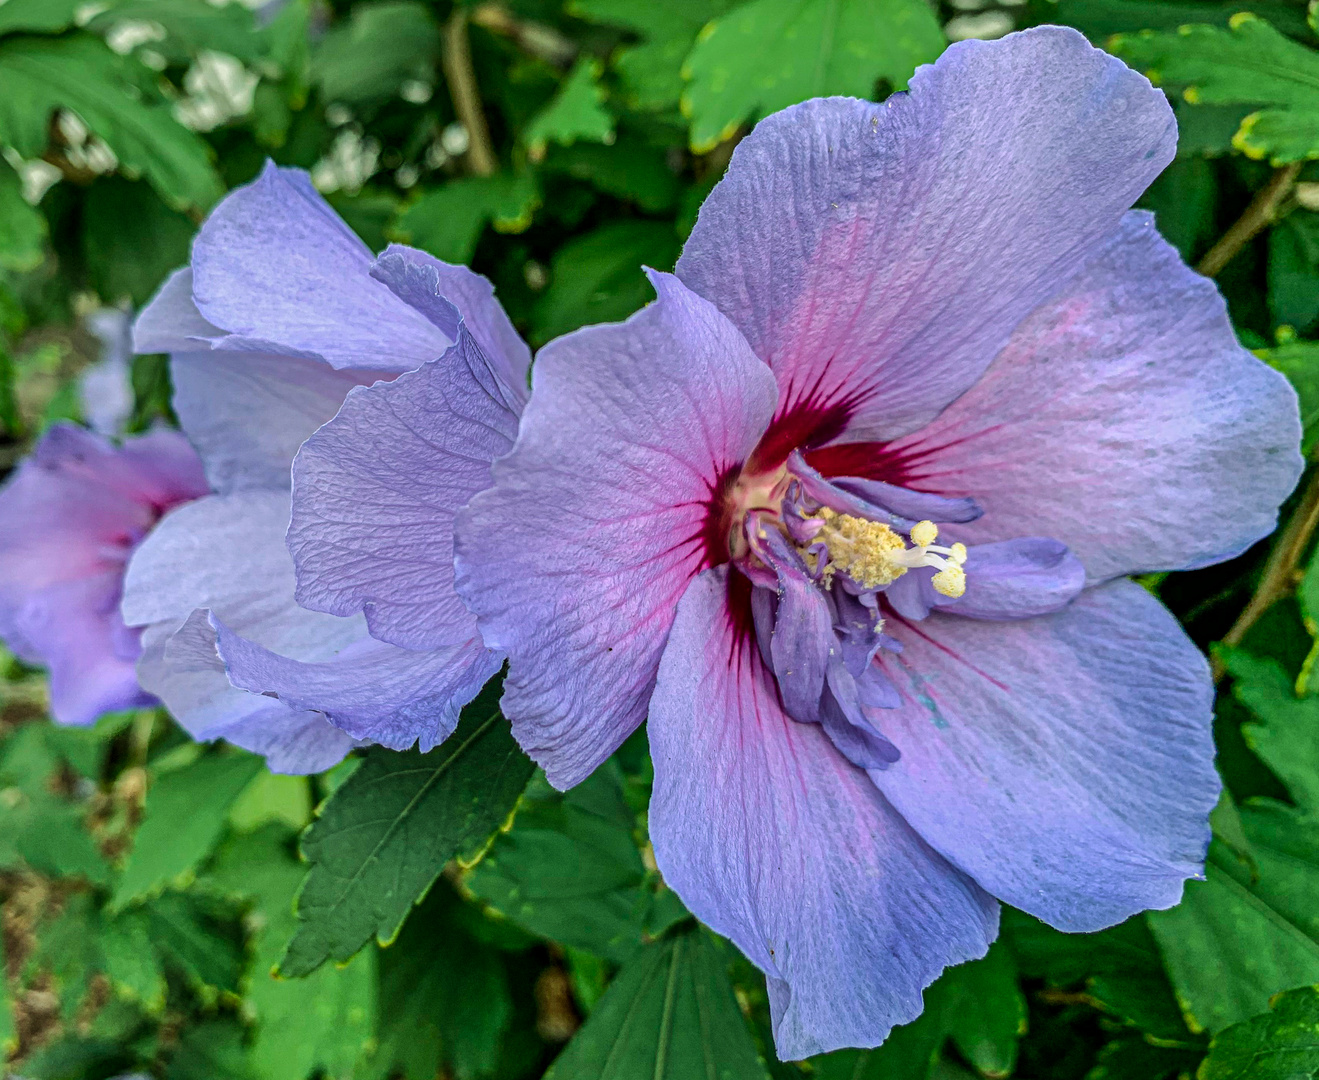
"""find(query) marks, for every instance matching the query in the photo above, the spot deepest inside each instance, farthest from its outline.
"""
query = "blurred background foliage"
(151, 886)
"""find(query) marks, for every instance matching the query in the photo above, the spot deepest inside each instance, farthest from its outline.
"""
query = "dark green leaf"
(1282, 1044)
(597, 277)
(670, 1014)
(569, 869)
(628, 170)
(989, 1015)
(448, 221)
(1299, 361)
(81, 74)
(444, 997)
(131, 239)
(212, 1051)
(769, 54)
(1294, 270)
(385, 835)
(378, 48)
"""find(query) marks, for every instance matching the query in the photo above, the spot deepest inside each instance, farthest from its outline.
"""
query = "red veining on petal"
(718, 521)
(740, 622)
(868, 460)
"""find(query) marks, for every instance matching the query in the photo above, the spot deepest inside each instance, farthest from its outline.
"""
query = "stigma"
(874, 555)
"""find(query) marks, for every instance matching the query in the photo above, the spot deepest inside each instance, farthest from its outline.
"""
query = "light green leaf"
(769, 54)
(597, 277)
(1282, 1044)
(569, 870)
(376, 50)
(652, 70)
(80, 73)
(1250, 63)
(1299, 361)
(22, 227)
(448, 221)
(669, 1014)
(384, 836)
(189, 26)
(322, 1022)
(577, 112)
(37, 16)
(184, 816)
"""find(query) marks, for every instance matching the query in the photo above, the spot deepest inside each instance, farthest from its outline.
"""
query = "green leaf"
(1294, 270)
(212, 1050)
(38, 16)
(80, 73)
(1287, 736)
(630, 170)
(1299, 361)
(383, 838)
(444, 998)
(448, 221)
(321, 1022)
(569, 870)
(669, 1014)
(597, 277)
(22, 227)
(188, 26)
(577, 112)
(652, 70)
(769, 54)
(1282, 1044)
(184, 816)
(1247, 932)
(1249, 63)
(200, 939)
(990, 1013)
(378, 49)
(131, 239)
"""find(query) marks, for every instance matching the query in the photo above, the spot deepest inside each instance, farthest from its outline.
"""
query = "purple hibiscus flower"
(282, 315)
(848, 513)
(70, 517)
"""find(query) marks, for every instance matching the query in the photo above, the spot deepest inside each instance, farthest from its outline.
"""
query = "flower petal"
(1012, 579)
(420, 280)
(772, 839)
(1066, 762)
(182, 668)
(376, 692)
(171, 322)
(226, 554)
(877, 257)
(376, 489)
(247, 413)
(1123, 419)
(279, 271)
(69, 517)
(575, 559)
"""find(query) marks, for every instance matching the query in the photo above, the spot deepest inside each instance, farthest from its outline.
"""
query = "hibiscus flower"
(848, 513)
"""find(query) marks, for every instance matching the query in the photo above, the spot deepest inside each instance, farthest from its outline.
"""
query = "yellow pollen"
(958, 553)
(951, 581)
(924, 533)
(867, 551)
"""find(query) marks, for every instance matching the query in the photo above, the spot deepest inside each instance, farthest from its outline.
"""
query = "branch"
(1279, 577)
(1257, 215)
(458, 72)
(534, 38)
